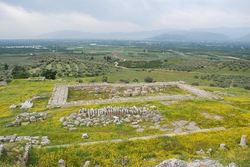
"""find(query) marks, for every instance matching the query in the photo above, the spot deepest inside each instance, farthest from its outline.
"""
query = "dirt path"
(137, 138)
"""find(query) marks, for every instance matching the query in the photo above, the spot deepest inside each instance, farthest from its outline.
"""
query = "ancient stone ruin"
(195, 163)
(27, 104)
(1, 150)
(243, 141)
(26, 118)
(18, 152)
(26, 153)
(34, 140)
(125, 93)
(111, 115)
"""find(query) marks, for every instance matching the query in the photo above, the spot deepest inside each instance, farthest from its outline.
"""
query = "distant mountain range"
(210, 35)
(85, 35)
(245, 38)
(191, 37)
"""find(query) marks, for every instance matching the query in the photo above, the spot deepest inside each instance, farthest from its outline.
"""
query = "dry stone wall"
(26, 117)
(34, 140)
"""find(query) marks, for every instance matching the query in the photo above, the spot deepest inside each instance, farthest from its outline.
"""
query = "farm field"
(127, 133)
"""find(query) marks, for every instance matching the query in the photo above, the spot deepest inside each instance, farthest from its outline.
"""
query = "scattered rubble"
(26, 117)
(203, 152)
(34, 140)
(195, 163)
(45, 141)
(111, 115)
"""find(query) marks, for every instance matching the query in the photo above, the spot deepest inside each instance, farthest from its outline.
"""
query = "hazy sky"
(29, 18)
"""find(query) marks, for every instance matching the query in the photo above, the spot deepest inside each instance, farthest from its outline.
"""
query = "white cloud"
(18, 22)
(28, 18)
(201, 17)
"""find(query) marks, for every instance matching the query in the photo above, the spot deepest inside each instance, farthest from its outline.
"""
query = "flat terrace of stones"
(125, 93)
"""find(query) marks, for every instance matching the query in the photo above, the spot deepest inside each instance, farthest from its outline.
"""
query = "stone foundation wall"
(60, 93)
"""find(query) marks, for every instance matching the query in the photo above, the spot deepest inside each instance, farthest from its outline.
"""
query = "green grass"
(165, 62)
(150, 152)
(19, 91)
(234, 109)
(157, 75)
(185, 110)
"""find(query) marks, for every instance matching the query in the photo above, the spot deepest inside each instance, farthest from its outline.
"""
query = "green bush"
(148, 79)
(49, 74)
(104, 79)
(19, 72)
(195, 84)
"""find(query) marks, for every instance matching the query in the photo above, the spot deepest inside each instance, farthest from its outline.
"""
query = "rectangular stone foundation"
(60, 94)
